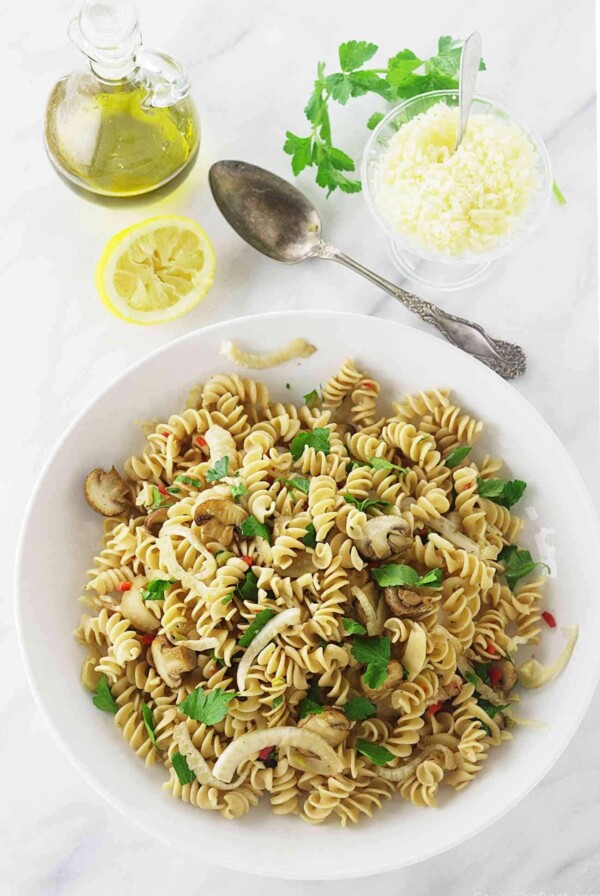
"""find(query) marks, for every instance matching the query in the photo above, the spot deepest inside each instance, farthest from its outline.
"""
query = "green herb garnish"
(158, 500)
(558, 194)
(277, 702)
(317, 438)
(353, 627)
(255, 626)
(380, 463)
(312, 398)
(374, 120)
(366, 503)
(103, 698)
(375, 654)
(297, 483)
(398, 574)
(288, 386)
(312, 703)
(208, 708)
(172, 490)
(359, 708)
(500, 491)
(404, 75)
(219, 471)
(375, 752)
(310, 539)
(217, 660)
(149, 722)
(518, 563)
(251, 528)
(248, 589)
(237, 490)
(196, 483)
(457, 455)
(155, 590)
(228, 598)
(490, 708)
(184, 773)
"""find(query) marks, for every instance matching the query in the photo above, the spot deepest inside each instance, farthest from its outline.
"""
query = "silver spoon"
(278, 220)
(469, 66)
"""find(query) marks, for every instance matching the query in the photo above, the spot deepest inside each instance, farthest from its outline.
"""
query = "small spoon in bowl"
(278, 220)
(470, 61)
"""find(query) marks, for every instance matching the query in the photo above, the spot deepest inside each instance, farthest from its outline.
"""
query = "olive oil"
(128, 125)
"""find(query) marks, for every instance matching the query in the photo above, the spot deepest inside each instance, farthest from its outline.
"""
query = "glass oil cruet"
(128, 124)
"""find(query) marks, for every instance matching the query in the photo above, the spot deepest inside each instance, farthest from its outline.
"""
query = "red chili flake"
(494, 675)
(201, 441)
(491, 649)
(147, 639)
(265, 753)
(165, 434)
(162, 489)
(247, 560)
(469, 485)
(369, 385)
(435, 707)
(549, 619)
(124, 586)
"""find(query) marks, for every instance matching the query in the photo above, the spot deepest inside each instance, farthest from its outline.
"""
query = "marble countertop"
(252, 67)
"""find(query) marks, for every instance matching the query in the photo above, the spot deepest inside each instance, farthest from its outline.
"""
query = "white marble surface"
(252, 66)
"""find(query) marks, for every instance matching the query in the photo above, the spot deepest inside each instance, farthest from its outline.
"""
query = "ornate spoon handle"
(505, 358)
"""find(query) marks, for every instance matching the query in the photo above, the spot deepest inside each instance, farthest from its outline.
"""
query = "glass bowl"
(419, 263)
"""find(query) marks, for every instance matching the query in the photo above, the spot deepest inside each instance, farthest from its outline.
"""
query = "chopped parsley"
(368, 502)
(353, 627)
(297, 483)
(237, 490)
(398, 574)
(312, 703)
(208, 708)
(375, 752)
(228, 598)
(310, 539)
(172, 490)
(500, 491)
(317, 438)
(219, 471)
(158, 500)
(380, 463)
(456, 456)
(184, 773)
(490, 708)
(359, 708)
(311, 398)
(155, 590)
(219, 663)
(375, 654)
(149, 722)
(103, 698)
(517, 564)
(189, 480)
(251, 528)
(277, 702)
(248, 589)
(255, 626)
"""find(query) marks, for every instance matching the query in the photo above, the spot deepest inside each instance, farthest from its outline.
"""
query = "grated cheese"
(460, 202)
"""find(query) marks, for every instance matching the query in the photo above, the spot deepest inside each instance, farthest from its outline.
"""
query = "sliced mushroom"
(172, 662)
(383, 536)
(134, 609)
(332, 724)
(155, 520)
(508, 673)
(406, 604)
(220, 508)
(395, 676)
(106, 492)
(213, 530)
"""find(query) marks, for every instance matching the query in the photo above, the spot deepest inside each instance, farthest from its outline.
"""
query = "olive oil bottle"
(128, 125)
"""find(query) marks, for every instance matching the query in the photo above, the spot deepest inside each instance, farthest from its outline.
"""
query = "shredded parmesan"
(460, 202)
(297, 348)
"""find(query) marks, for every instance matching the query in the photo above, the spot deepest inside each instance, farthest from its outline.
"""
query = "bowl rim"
(587, 689)
(403, 243)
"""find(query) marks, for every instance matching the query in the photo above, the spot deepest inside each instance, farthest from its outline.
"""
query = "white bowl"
(60, 535)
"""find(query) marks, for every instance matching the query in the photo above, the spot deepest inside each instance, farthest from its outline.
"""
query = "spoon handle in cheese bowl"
(505, 358)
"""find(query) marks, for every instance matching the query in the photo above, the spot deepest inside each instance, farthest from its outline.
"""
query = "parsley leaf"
(500, 491)
(219, 471)
(219, 663)
(158, 500)
(255, 626)
(149, 722)
(375, 654)
(172, 490)
(310, 539)
(277, 702)
(182, 769)
(359, 708)
(252, 528)
(189, 480)
(517, 563)
(368, 502)
(318, 439)
(155, 590)
(482, 671)
(353, 627)
(398, 574)
(248, 589)
(490, 708)
(375, 752)
(354, 53)
(380, 463)
(298, 482)
(237, 490)
(312, 398)
(103, 698)
(207, 707)
(312, 703)
(456, 456)
(374, 120)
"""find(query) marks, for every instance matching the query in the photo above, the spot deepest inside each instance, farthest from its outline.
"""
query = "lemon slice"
(156, 270)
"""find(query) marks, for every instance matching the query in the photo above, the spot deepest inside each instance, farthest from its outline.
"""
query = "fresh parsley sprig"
(103, 698)
(404, 75)
(375, 654)
(500, 491)
(257, 624)
(155, 590)
(206, 707)
(312, 703)
(219, 471)
(251, 528)
(317, 438)
(184, 773)
(398, 574)
(517, 564)
(366, 503)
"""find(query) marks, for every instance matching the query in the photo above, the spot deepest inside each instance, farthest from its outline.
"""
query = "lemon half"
(156, 270)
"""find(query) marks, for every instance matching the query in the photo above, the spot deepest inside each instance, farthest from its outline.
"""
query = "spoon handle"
(469, 66)
(505, 358)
